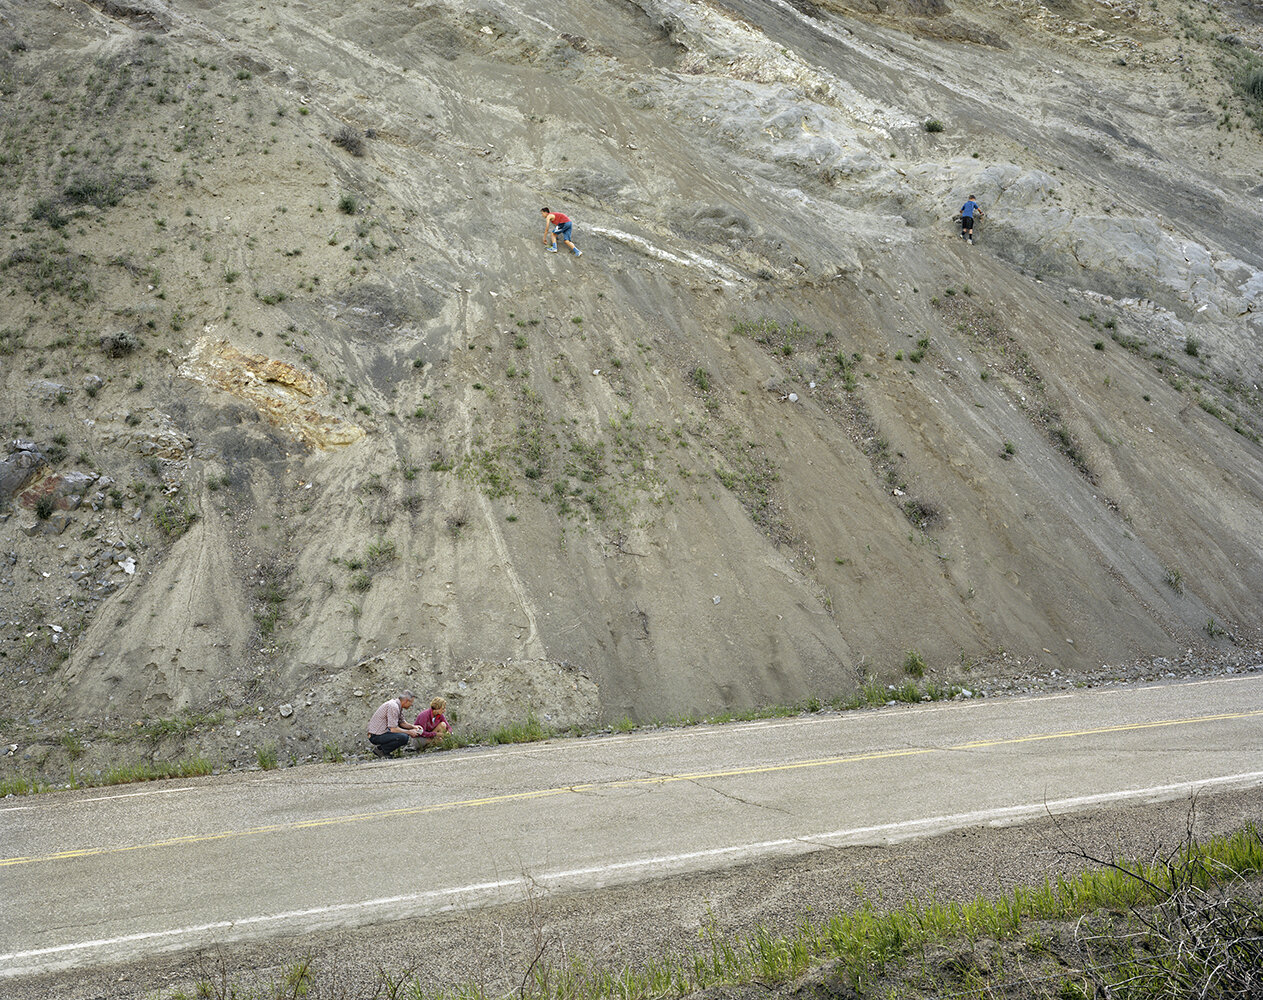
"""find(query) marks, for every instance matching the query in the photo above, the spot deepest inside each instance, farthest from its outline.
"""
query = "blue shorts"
(563, 230)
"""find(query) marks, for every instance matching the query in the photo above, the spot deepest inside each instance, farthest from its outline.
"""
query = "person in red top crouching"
(432, 723)
(556, 224)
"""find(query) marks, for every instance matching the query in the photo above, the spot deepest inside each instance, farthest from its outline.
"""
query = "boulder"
(21, 466)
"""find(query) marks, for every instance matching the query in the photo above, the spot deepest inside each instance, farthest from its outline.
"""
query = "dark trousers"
(389, 742)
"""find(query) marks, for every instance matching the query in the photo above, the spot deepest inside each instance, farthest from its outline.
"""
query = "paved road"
(108, 875)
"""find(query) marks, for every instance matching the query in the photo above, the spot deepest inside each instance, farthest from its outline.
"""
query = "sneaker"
(552, 249)
(971, 241)
(378, 751)
(578, 252)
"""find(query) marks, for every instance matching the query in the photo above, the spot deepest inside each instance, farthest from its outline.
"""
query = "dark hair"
(972, 197)
(545, 209)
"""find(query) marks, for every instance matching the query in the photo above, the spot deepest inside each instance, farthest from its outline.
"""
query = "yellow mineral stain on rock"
(282, 392)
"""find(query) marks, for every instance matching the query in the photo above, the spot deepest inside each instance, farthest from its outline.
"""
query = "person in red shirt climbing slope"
(556, 224)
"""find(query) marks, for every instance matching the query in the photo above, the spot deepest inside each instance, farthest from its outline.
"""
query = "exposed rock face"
(66, 489)
(23, 464)
(286, 395)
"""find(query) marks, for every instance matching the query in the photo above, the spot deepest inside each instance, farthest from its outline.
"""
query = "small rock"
(358, 692)
(286, 710)
(792, 397)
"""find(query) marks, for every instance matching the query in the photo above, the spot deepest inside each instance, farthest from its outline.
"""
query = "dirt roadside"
(632, 925)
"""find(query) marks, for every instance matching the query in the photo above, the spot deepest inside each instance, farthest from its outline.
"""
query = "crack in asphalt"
(737, 798)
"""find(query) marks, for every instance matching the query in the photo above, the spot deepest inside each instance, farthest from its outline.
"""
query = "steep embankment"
(276, 275)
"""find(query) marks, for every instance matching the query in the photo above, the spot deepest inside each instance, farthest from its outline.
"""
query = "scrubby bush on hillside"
(1254, 85)
(119, 343)
(350, 140)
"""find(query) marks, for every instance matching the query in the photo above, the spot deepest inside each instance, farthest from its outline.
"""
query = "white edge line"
(807, 842)
(110, 798)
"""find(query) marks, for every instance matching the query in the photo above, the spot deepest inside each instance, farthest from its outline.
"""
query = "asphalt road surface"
(107, 875)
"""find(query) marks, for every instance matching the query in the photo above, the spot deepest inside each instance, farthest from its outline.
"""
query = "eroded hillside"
(302, 410)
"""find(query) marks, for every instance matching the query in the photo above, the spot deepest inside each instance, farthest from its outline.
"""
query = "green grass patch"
(179, 725)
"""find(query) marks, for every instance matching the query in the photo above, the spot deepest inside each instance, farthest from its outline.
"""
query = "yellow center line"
(661, 779)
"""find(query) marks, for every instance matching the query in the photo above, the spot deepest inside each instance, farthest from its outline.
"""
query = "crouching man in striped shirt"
(387, 730)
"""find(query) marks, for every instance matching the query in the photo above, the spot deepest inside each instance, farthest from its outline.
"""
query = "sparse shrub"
(350, 140)
(119, 343)
(347, 204)
(45, 506)
(914, 664)
(934, 125)
(700, 377)
(266, 756)
(921, 513)
(73, 744)
(331, 753)
(361, 582)
(1174, 579)
(48, 211)
(173, 520)
(1254, 85)
(1192, 347)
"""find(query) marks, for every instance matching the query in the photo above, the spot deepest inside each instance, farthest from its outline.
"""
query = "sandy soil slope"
(775, 427)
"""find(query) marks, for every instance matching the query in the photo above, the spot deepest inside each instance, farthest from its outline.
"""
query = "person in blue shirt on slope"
(967, 213)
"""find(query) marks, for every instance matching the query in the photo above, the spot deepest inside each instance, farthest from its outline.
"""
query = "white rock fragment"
(286, 710)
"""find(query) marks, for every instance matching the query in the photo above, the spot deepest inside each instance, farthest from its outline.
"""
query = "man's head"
(438, 704)
(545, 211)
(973, 197)
(405, 699)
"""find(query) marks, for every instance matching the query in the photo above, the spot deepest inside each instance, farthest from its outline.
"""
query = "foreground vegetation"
(1188, 924)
